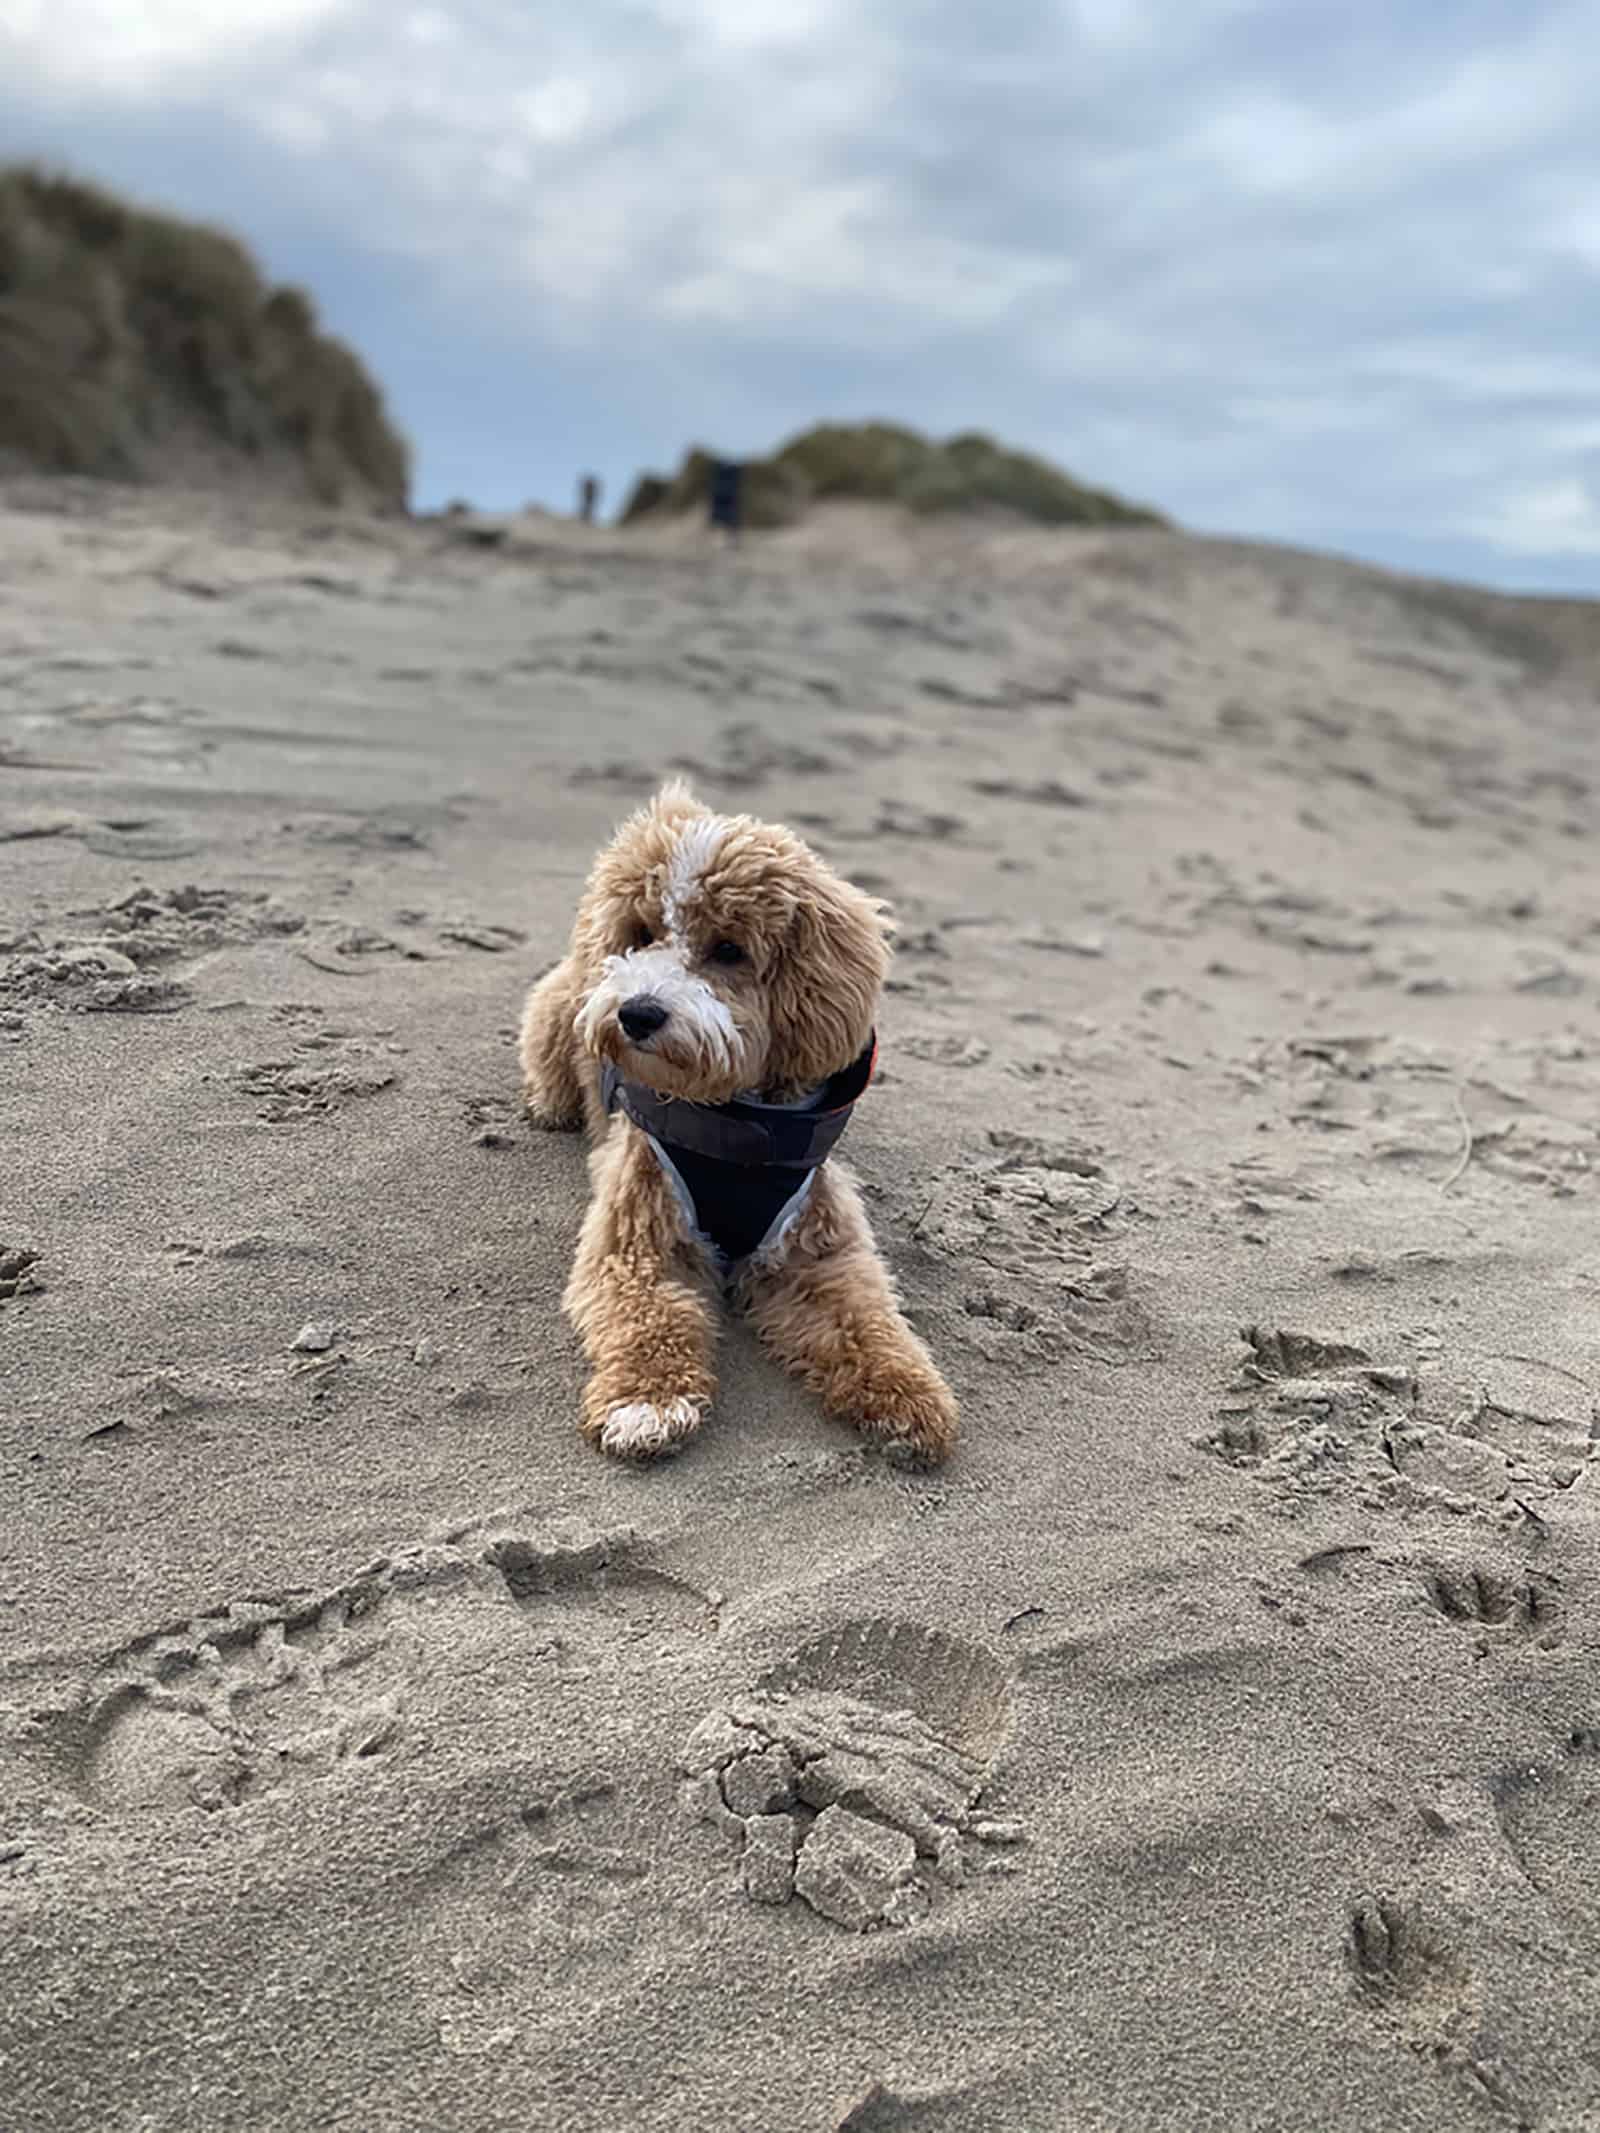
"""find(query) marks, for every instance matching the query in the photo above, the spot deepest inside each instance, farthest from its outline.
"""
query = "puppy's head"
(719, 954)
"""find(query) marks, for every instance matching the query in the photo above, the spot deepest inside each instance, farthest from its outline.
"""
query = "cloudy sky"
(1325, 271)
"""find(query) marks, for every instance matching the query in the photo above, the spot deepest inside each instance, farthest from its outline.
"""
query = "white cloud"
(753, 25)
(1269, 144)
(137, 47)
(559, 111)
(1484, 106)
(1117, 24)
(428, 27)
(1561, 516)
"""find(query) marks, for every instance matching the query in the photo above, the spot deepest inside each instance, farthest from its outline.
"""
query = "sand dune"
(1214, 1744)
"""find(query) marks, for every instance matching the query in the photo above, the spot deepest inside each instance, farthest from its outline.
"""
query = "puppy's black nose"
(641, 1016)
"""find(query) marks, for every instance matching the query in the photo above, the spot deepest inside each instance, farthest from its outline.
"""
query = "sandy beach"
(365, 1737)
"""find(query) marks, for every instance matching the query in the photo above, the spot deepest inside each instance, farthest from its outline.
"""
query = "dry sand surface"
(1214, 1744)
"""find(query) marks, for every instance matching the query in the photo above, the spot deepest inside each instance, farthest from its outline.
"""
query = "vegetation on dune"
(136, 346)
(880, 462)
(771, 494)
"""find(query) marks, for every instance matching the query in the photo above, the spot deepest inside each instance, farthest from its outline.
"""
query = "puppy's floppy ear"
(830, 968)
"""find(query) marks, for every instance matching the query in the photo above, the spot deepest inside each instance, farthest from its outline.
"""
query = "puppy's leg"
(548, 1048)
(828, 1313)
(648, 1331)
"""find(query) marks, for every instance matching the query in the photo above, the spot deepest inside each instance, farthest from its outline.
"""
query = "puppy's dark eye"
(726, 952)
(642, 936)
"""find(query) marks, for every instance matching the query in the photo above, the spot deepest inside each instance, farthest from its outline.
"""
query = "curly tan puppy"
(711, 1025)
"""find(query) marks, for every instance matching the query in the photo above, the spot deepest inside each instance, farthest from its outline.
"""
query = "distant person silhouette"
(727, 481)
(588, 498)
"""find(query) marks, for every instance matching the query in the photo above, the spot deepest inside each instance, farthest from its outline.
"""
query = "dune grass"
(772, 494)
(881, 462)
(126, 336)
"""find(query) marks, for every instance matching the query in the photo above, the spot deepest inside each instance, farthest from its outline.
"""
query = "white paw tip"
(642, 1431)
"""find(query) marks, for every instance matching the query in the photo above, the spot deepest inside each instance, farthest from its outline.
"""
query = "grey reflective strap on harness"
(755, 1135)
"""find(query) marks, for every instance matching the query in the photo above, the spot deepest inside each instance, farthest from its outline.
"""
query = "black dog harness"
(742, 1170)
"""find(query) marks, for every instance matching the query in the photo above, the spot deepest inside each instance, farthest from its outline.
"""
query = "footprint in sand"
(623, 777)
(18, 1272)
(264, 1694)
(1422, 1971)
(1546, 1813)
(1043, 792)
(1406, 1972)
(851, 1774)
(864, 743)
(1017, 1209)
(1030, 1223)
(121, 957)
(1007, 697)
(747, 755)
(1312, 1416)
(1517, 1603)
(948, 635)
(593, 1586)
(479, 934)
(325, 1070)
(494, 1121)
(1540, 1418)
(947, 1051)
(551, 1888)
(897, 818)
(249, 1700)
(1391, 1955)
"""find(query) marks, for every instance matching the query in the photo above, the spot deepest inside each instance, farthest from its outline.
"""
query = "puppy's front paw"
(915, 1444)
(915, 1424)
(644, 1429)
